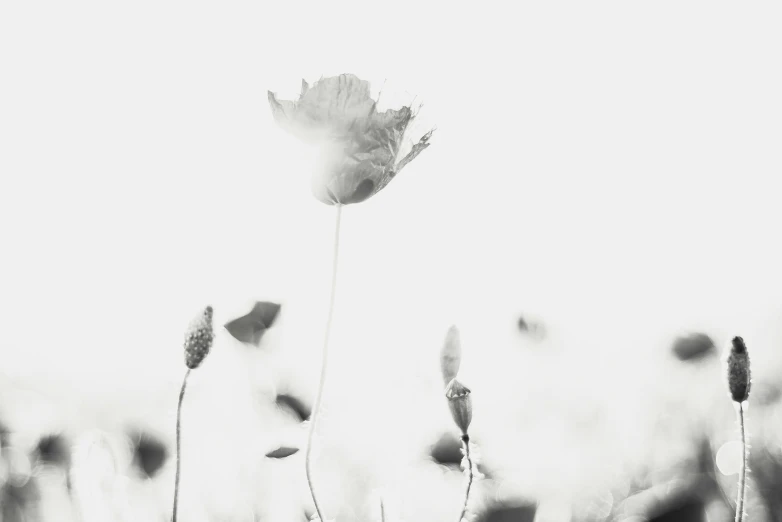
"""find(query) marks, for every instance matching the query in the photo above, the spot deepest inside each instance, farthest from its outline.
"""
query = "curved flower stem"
(466, 446)
(324, 359)
(743, 471)
(179, 443)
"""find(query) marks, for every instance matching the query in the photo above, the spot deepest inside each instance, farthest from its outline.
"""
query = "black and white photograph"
(409, 261)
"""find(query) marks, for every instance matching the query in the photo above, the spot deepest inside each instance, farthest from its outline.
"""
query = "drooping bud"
(451, 355)
(460, 404)
(739, 377)
(198, 339)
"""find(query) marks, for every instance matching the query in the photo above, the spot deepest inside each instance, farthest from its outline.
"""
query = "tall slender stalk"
(323, 364)
(743, 471)
(739, 384)
(470, 475)
(179, 443)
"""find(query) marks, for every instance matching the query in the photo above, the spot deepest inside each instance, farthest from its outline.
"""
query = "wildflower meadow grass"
(399, 263)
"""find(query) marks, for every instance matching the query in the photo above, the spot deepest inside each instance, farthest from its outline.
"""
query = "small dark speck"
(533, 329)
(522, 323)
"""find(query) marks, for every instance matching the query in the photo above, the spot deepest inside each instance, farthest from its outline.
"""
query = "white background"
(610, 168)
(590, 159)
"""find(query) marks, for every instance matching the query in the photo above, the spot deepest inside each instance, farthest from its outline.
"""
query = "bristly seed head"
(460, 404)
(198, 339)
(739, 376)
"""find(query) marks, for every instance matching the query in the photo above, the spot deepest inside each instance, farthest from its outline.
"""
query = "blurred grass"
(600, 433)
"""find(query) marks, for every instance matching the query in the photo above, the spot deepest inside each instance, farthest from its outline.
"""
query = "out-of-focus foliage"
(562, 435)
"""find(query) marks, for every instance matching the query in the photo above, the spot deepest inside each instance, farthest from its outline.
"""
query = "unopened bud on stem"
(460, 404)
(451, 355)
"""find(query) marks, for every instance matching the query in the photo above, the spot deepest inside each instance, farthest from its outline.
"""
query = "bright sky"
(598, 165)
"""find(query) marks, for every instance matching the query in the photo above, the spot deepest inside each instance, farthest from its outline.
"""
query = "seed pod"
(460, 404)
(451, 355)
(198, 339)
(739, 377)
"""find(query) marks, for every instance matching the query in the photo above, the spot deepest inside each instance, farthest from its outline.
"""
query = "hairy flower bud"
(739, 377)
(460, 404)
(198, 339)
(451, 355)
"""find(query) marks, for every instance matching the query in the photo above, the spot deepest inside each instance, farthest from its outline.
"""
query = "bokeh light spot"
(729, 458)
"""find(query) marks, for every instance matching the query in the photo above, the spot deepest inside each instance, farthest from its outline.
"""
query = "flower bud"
(198, 339)
(739, 377)
(460, 404)
(451, 355)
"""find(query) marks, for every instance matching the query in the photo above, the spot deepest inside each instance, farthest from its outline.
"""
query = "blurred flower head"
(360, 146)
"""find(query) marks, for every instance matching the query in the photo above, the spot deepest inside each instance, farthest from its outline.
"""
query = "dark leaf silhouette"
(149, 454)
(447, 451)
(53, 449)
(691, 510)
(282, 452)
(508, 513)
(250, 327)
(693, 347)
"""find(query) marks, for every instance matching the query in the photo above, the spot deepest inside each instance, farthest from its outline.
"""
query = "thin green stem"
(179, 443)
(466, 446)
(743, 471)
(323, 364)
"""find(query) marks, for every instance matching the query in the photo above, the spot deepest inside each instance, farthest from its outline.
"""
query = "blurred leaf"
(293, 405)
(692, 510)
(149, 455)
(52, 449)
(447, 451)
(693, 347)
(764, 393)
(249, 328)
(282, 452)
(533, 329)
(506, 513)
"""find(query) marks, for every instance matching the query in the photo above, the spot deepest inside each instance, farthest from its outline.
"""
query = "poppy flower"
(360, 147)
